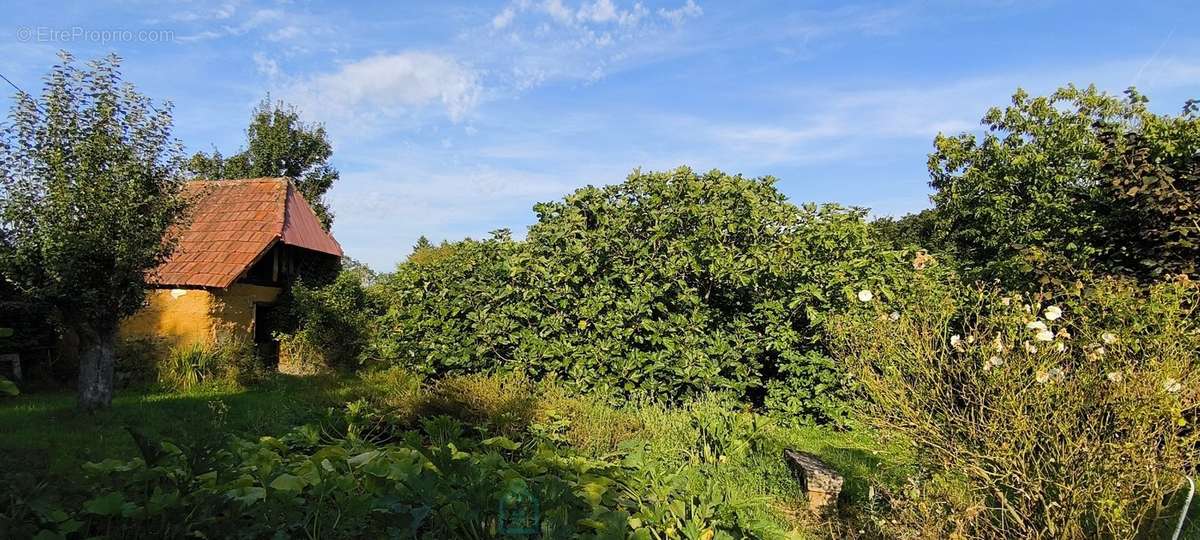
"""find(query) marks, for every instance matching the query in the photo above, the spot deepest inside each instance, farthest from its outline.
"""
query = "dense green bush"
(444, 308)
(1077, 180)
(329, 324)
(665, 286)
(1065, 415)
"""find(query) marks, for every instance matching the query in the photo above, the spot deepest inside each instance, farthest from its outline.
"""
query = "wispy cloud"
(384, 87)
(681, 13)
(535, 42)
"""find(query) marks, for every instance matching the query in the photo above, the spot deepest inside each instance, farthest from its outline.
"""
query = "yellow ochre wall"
(182, 317)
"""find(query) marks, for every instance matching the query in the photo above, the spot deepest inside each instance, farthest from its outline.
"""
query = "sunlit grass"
(42, 433)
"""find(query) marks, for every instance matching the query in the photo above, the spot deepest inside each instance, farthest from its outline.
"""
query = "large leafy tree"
(1075, 180)
(278, 143)
(90, 183)
(667, 285)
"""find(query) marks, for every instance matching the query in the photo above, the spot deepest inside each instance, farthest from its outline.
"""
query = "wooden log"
(821, 483)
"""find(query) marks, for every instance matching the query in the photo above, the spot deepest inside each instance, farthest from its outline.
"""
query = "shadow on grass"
(43, 435)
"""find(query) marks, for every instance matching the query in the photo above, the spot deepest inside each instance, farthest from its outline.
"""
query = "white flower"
(895, 315)
(1114, 376)
(970, 340)
(1042, 376)
(1060, 346)
(1108, 338)
(1030, 348)
(1057, 373)
(1172, 385)
(956, 342)
(865, 296)
(1036, 325)
(994, 361)
(1044, 335)
(1052, 313)
(1096, 351)
(998, 343)
(1006, 301)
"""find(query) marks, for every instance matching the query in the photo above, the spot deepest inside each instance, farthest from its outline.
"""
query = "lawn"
(43, 434)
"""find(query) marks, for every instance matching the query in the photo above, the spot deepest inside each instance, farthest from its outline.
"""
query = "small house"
(244, 241)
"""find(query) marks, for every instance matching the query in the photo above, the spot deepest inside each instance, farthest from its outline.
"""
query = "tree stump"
(820, 482)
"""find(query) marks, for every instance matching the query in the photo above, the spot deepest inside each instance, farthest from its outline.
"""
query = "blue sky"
(452, 119)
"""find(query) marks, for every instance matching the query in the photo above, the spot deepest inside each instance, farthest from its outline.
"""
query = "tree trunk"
(96, 368)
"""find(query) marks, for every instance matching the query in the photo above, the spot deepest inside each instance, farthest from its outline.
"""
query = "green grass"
(42, 433)
(44, 436)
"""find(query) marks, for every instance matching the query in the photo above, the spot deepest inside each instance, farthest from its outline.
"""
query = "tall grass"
(226, 362)
(710, 448)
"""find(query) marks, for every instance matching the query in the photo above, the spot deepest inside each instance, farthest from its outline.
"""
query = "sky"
(452, 119)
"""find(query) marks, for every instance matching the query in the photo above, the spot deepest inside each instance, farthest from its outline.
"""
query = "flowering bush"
(1065, 415)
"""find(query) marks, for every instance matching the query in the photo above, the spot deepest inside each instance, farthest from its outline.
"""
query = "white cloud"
(266, 66)
(532, 42)
(388, 86)
(504, 18)
(223, 11)
(681, 13)
(286, 33)
(599, 11)
(557, 10)
(255, 20)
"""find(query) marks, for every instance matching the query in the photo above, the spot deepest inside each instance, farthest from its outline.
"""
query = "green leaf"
(109, 504)
(501, 442)
(288, 483)
(363, 458)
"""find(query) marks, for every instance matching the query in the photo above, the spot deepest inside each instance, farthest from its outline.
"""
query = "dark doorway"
(266, 318)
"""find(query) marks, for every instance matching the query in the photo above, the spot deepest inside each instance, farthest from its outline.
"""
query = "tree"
(278, 143)
(1153, 177)
(422, 243)
(90, 179)
(917, 229)
(359, 269)
(1046, 192)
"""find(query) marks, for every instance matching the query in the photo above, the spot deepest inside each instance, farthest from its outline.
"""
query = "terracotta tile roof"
(233, 224)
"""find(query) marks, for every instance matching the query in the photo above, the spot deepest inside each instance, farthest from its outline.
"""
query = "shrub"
(1066, 415)
(444, 308)
(327, 326)
(226, 362)
(666, 286)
